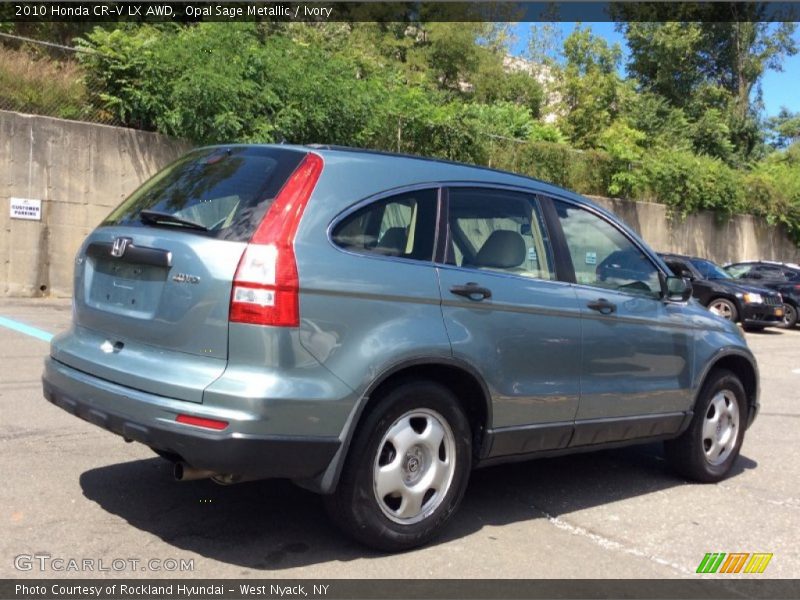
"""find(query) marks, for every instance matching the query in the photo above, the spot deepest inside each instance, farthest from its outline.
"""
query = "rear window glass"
(738, 271)
(709, 270)
(220, 192)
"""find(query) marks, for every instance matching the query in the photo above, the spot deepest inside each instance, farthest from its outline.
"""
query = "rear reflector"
(202, 422)
(266, 286)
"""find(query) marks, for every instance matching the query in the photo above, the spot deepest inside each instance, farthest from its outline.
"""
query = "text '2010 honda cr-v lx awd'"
(374, 326)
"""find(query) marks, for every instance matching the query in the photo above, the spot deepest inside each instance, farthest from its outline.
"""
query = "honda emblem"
(120, 245)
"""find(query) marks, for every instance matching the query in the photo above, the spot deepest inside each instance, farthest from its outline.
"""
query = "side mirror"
(677, 289)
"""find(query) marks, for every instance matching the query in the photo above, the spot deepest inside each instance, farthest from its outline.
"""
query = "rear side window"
(403, 226)
(791, 275)
(219, 192)
(773, 273)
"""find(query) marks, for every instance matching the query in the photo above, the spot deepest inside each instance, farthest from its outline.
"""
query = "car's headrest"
(502, 250)
(394, 239)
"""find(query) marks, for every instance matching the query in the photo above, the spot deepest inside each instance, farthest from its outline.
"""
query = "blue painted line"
(39, 334)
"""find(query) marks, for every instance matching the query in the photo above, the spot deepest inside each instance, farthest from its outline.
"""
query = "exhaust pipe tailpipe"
(184, 472)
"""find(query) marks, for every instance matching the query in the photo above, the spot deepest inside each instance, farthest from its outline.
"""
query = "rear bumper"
(150, 419)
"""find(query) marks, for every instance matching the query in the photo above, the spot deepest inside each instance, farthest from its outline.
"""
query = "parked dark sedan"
(784, 278)
(755, 307)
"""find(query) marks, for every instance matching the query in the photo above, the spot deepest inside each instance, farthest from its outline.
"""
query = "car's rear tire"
(406, 470)
(789, 317)
(707, 450)
(724, 308)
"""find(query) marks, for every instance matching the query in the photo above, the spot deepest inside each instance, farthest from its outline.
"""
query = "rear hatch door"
(153, 282)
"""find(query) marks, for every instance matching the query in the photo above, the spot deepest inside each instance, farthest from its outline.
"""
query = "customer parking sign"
(26, 208)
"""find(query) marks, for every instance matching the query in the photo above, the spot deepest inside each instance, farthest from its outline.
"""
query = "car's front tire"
(724, 308)
(707, 450)
(406, 470)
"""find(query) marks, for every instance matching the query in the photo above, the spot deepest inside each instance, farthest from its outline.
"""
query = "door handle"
(472, 291)
(603, 306)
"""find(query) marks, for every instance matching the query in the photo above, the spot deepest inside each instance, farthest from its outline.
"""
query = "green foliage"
(711, 70)
(688, 182)
(774, 189)
(591, 86)
(211, 84)
(711, 135)
(448, 53)
(624, 147)
(123, 65)
(519, 88)
(663, 125)
(684, 129)
(784, 128)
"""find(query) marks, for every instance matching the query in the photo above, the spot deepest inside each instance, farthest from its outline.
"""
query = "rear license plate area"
(125, 286)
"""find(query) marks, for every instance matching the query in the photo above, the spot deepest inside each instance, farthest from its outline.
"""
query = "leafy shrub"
(689, 183)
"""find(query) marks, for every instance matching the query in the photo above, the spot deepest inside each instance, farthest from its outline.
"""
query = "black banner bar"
(489, 11)
(713, 587)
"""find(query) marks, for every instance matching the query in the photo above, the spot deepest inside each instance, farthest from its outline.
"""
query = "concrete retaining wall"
(741, 237)
(81, 171)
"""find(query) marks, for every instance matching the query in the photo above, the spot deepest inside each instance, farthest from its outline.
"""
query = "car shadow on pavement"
(274, 525)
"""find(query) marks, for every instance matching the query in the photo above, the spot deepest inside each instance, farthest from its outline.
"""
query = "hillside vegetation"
(685, 127)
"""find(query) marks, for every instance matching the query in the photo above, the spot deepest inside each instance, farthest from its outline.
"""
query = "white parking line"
(610, 544)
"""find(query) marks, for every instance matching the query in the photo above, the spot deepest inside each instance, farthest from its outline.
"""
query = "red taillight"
(202, 422)
(266, 286)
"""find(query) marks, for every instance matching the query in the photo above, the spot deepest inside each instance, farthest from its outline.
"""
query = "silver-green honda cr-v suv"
(374, 326)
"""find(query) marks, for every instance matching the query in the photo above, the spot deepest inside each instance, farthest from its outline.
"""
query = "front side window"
(403, 226)
(603, 256)
(498, 230)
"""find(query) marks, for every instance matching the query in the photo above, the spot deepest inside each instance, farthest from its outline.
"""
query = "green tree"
(665, 58)
(713, 70)
(624, 146)
(591, 86)
(784, 128)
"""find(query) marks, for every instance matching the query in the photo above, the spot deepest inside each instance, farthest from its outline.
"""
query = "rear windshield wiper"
(157, 217)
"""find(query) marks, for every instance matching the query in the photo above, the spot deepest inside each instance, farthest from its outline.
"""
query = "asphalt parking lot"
(71, 490)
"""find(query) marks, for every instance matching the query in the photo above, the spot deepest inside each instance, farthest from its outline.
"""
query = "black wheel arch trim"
(326, 483)
(713, 362)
